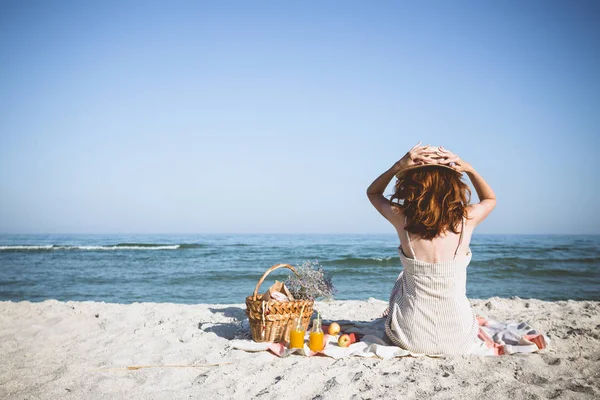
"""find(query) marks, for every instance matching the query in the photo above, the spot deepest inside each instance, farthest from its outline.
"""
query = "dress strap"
(409, 244)
(461, 237)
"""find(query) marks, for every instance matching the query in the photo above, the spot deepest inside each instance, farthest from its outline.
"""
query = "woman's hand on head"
(418, 155)
(446, 157)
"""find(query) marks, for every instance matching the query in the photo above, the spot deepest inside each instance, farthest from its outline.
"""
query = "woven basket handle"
(273, 268)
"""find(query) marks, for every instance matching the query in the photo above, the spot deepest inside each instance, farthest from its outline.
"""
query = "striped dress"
(429, 312)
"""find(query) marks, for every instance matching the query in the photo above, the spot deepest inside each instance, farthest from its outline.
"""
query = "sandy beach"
(80, 350)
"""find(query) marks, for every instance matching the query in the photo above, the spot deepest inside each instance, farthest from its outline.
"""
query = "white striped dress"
(429, 312)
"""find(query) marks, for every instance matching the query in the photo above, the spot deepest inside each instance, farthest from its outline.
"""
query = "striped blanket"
(494, 339)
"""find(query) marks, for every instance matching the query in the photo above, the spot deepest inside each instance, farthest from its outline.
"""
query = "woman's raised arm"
(487, 199)
(416, 156)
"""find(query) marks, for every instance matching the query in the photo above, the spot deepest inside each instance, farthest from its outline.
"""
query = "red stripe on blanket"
(489, 343)
(277, 348)
(485, 338)
(538, 340)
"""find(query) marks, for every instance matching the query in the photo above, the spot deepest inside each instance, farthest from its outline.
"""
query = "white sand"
(56, 350)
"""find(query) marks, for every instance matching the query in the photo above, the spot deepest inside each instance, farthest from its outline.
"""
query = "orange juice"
(316, 341)
(297, 339)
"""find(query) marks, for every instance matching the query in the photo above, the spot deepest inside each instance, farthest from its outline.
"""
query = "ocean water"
(226, 268)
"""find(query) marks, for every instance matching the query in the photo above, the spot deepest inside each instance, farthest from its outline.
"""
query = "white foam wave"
(88, 248)
(165, 247)
(383, 259)
(47, 247)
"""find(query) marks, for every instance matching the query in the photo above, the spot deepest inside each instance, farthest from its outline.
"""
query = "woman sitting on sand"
(428, 310)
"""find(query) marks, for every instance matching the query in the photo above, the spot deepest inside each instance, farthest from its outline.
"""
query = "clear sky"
(274, 117)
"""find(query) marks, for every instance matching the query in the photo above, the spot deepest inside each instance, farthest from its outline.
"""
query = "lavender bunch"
(310, 283)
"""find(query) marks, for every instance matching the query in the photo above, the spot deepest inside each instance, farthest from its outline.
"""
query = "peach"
(334, 328)
(344, 340)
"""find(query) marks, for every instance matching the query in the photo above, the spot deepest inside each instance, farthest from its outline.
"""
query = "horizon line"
(282, 233)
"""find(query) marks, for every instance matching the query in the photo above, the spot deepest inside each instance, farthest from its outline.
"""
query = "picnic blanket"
(494, 339)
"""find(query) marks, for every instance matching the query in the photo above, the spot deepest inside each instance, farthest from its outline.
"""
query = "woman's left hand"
(453, 161)
(418, 155)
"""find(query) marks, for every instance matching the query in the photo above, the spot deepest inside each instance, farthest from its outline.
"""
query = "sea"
(225, 269)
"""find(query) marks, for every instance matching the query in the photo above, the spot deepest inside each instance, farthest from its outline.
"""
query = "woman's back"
(438, 249)
(429, 311)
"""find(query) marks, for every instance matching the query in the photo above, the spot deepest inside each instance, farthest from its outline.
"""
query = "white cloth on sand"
(372, 344)
(496, 338)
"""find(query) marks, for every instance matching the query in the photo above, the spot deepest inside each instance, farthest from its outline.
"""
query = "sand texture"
(78, 350)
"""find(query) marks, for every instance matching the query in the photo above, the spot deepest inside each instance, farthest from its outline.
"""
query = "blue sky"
(256, 117)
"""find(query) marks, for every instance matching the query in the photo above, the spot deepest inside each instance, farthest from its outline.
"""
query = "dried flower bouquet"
(310, 282)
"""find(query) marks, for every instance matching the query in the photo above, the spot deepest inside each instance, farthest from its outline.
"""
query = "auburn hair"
(434, 200)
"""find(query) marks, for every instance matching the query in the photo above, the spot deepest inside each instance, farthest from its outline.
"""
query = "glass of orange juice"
(297, 335)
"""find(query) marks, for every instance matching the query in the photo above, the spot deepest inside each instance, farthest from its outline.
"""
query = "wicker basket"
(272, 321)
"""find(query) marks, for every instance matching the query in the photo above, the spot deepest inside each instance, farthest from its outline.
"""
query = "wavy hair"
(434, 200)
